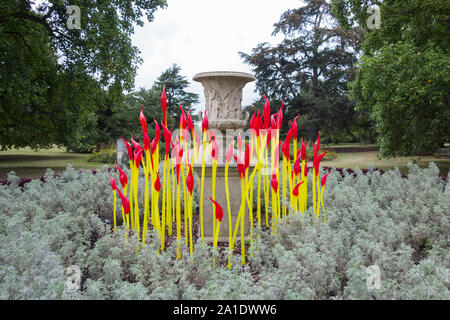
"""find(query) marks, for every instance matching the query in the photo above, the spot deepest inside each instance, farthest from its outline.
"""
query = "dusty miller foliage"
(401, 225)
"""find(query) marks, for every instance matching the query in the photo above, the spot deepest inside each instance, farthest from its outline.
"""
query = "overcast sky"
(206, 35)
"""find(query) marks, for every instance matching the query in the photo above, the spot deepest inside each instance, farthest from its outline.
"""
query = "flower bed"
(400, 225)
(22, 181)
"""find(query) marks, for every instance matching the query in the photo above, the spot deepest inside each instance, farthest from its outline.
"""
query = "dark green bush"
(331, 155)
(103, 156)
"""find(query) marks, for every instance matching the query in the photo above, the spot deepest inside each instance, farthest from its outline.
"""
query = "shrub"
(399, 224)
(330, 155)
(103, 156)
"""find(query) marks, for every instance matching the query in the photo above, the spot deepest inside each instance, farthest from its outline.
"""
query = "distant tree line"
(353, 82)
(55, 82)
(309, 71)
(120, 117)
(346, 79)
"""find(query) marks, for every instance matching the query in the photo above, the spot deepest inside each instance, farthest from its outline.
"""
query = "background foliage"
(53, 79)
(309, 70)
(402, 76)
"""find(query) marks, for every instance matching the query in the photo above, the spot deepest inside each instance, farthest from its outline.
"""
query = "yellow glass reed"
(115, 199)
(178, 218)
(163, 204)
(202, 186)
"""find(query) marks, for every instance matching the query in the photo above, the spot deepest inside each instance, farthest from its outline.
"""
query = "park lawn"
(362, 159)
(347, 144)
(33, 164)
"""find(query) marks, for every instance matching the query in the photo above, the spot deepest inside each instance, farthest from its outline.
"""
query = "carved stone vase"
(223, 96)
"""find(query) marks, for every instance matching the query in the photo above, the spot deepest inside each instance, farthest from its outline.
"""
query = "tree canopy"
(118, 116)
(52, 77)
(175, 86)
(309, 70)
(402, 77)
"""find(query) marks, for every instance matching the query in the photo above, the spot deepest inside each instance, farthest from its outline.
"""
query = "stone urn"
(223, 96)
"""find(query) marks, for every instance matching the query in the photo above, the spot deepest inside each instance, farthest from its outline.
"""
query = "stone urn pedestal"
(223, 97)
(234, 189)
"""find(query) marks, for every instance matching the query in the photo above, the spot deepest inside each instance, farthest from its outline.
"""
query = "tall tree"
(314, 62)
(50, 75)
(402, 76)
(118, 116)
(175, 86)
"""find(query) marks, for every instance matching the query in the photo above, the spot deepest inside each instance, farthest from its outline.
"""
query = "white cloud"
(206, 35)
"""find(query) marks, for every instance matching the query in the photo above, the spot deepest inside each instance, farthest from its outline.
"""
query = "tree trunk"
(315, 83)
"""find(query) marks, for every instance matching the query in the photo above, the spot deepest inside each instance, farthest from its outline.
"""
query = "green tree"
(402, 77)
(175, 87)
(118, 116)
(310, 68)
(51, 77)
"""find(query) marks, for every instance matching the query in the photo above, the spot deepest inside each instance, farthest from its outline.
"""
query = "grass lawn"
(28, 163)
(361, 159)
